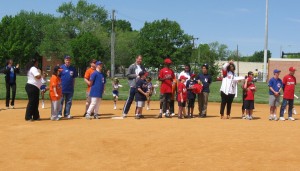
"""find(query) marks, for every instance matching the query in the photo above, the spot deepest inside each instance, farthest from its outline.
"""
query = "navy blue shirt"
(67, 78)
(206, 81)
(11, 74)
(189, 84)
(276, 84)
(97, 87)
(142, 84)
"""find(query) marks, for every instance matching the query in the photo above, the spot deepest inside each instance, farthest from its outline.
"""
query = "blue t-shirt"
(67, 78)
(11, 74)
(97, 87)
(142, 84)
(206, 80)
(276, 84)
(190, 93)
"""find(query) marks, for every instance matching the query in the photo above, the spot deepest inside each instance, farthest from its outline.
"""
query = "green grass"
(261, 95)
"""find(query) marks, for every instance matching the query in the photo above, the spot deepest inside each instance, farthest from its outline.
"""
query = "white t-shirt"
(32, 73)
(186, 74)
(138, 69)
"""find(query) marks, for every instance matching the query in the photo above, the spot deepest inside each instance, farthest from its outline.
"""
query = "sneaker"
(250, 117)
(159, 116)
(54, 118)
(173, 114)
(271, 117)
(43, 105)
(282, 119)
(247, 117)
(59, 116)
(167, 116)
(69, 117)
(12, 106)
(275, 118)
(87, 116)
(291, 119)
(96, 116)
(137, 117)
(7, 107)
(115, 107)
(124, 115)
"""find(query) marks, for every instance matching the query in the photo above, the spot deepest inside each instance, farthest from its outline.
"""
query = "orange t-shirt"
(87, 76)
(55, 81)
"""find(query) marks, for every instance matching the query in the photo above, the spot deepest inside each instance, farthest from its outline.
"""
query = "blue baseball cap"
(276, 71)
(98, 63)
(67, 57)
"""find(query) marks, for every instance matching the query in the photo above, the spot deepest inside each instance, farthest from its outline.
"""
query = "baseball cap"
(292, 69)
(98, 63)
(193, 75)
(93, 61)
(57, 68)
(167, 61)
(182, 77)
(67, 57)
(276, 71)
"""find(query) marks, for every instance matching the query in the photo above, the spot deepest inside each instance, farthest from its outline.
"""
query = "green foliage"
(258, 56)
(162, 38)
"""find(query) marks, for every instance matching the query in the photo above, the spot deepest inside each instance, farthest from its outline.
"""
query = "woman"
(10, 72)
(33, 90)
(228, 88)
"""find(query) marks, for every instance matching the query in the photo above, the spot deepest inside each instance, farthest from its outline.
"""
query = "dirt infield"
(147, 144)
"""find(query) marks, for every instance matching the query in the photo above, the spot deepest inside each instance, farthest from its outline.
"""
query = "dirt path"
(147, 144)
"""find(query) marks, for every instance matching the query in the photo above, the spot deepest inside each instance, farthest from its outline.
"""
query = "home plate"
(117, 117)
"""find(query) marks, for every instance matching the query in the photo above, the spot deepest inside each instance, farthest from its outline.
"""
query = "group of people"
(184, 88)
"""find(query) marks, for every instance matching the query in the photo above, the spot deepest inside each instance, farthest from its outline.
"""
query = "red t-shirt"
(250, 92)
(166, 85)
(289, 83)
(181, 89)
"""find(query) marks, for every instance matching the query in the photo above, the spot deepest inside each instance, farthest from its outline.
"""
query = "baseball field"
(147, 144)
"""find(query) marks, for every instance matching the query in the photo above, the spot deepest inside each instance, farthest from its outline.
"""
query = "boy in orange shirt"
(55, 93)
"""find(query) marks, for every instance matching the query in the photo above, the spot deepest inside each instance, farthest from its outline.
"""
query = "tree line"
(83, 30)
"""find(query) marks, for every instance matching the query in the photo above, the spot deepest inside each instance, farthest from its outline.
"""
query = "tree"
(162, 38)
(258, 56)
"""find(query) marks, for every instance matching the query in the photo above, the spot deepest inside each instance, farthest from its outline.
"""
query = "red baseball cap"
(292, 69)
(182, 77)
(193, 75)
(167, 61)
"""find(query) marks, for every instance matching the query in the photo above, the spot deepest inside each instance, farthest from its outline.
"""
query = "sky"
(232, 22)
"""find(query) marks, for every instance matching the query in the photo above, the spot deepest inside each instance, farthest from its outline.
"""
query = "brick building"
(48, 63)
(283, 64)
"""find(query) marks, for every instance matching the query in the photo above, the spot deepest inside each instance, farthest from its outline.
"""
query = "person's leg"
(7, 94)
(129, 100)
(91, 107)
(88, 102)
(68, 106)
(14, 89)
(61, 104)
(183, 109)
(36, 99)
(291, 105)
(29, 111)
(223, 103)
(200, 103)
(96, 109)
(229, 102)
(205, 102)
(192, 107)
(282, 108)
(189, 106)
(167, 103)
(172, 106)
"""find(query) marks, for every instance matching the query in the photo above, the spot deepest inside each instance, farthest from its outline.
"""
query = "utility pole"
(112, 46)
(266, 43)
(195, 38)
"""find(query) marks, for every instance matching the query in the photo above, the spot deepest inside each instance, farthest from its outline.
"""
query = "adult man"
(166, 76)
(133, 74)
(186, 73)
(289, 83)
(10, 81)
(275, 86)
(204, 79)
(68, 76)
(87, 76)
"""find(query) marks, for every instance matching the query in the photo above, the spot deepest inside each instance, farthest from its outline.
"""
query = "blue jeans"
(128, 103)
(290, 102)
(67, 97)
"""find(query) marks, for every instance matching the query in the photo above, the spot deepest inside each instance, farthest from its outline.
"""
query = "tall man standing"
(133, 74)
(204, 79)
(166, 76)
(68, 76)
(289, 83)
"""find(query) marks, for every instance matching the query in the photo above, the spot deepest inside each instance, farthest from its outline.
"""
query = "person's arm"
(131, 72)
(54, 90)
(87, 82)
(5, 70)
(245, 84)
(17, 69)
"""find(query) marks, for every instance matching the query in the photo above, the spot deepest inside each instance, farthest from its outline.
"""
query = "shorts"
(249, 104)
(115, 93)
(191, 102)
(183, 104)
(43, 87)
(274, 101)
(140, 103)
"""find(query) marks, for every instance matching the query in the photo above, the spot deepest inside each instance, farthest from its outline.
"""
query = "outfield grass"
(261, 95)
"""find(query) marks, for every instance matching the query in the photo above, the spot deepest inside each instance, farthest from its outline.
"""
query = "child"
(43, 87)
(55, 93)
(249, 99)
(141, 94)
(115, 92)
(191, 95)
(243, 98)
(181, 96)
(97, 83)
(150, 91)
